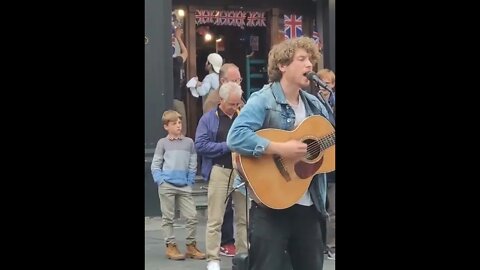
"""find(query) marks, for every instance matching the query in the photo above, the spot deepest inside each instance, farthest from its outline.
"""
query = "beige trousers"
(186, 205)
(217, 194)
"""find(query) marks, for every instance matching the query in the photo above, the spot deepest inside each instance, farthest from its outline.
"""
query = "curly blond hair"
(283, 52)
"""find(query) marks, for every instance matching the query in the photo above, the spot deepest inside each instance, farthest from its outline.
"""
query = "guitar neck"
(326, 141)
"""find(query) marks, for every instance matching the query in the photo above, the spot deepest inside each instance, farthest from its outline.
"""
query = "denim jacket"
(268, 108)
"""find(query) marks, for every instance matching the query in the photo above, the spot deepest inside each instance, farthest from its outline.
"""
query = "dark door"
(158, 87)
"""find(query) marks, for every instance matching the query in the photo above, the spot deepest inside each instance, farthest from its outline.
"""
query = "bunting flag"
(223, 18)
(316, 36)
(317, 39)
(292, 26)
(231, 18)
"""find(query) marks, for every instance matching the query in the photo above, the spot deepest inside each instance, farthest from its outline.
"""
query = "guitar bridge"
(283, 171)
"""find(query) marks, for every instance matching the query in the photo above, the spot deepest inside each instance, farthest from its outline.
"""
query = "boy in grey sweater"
(173, 168)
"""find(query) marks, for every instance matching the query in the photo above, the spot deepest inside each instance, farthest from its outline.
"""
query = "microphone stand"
(235, 188)
(247, 217)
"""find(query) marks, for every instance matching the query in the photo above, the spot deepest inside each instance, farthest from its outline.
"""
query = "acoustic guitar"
(279, 183)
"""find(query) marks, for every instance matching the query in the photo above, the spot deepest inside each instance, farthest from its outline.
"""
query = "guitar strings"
(322, 143)
(318, 146)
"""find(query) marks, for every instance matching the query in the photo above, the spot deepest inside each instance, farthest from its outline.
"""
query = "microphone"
(313, 77)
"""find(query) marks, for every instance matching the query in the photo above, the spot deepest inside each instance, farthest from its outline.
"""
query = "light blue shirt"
(209, 83)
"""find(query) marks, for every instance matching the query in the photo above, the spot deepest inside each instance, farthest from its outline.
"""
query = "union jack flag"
(316, 37)
(292, 26)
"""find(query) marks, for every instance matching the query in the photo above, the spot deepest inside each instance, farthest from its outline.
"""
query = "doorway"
(233, 43)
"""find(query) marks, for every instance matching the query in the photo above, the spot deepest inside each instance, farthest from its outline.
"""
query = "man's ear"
(281, 67)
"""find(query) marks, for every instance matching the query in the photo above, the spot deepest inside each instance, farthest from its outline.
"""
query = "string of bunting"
(231, 18)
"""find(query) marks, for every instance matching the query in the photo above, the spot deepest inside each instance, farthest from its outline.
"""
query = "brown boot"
(173, 252)
(194, 253)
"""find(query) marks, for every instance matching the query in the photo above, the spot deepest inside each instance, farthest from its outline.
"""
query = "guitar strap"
(330, 116)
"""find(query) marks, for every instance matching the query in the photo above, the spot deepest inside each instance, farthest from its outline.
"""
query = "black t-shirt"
(224, 125)
(177, 69)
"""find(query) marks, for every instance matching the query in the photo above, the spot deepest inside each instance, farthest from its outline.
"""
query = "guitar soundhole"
(313, 149)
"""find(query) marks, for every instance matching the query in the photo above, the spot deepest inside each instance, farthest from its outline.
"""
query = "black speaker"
(240, 262)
